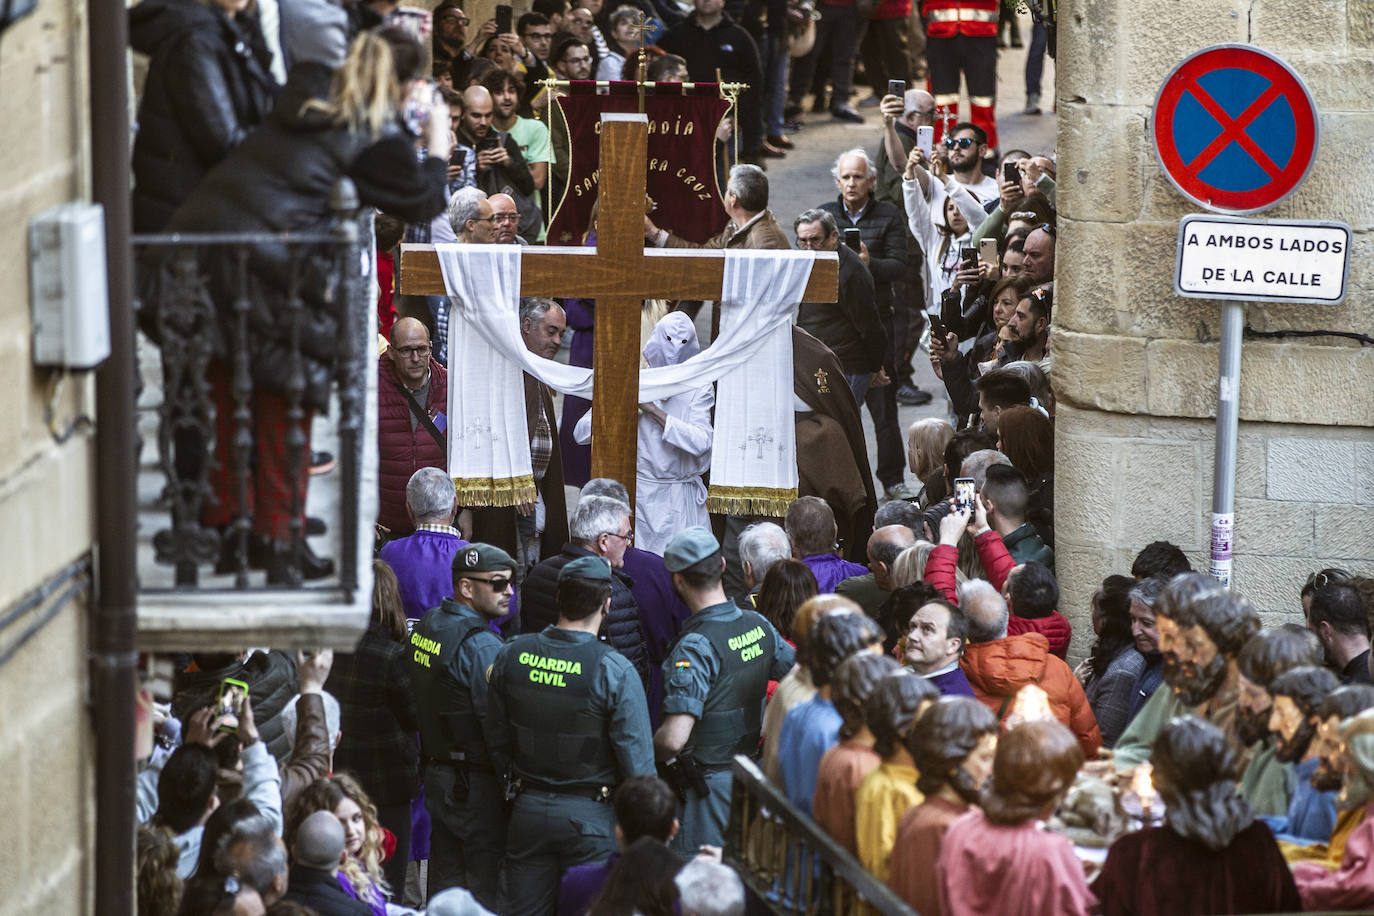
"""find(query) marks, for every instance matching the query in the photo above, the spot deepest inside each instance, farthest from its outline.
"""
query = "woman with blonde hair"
(361, 873)
(925, 449)
(355, 124)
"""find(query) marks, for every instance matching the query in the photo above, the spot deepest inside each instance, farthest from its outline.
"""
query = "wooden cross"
(620, 274)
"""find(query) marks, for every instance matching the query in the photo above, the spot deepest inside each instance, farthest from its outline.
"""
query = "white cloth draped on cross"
(754, 460)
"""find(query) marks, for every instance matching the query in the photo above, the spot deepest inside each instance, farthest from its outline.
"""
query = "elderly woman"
(1212, 855)
(1001, 859)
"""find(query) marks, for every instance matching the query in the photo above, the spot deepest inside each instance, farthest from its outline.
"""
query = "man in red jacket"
(412, 408)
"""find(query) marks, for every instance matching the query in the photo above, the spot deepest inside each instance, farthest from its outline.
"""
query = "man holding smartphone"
(884, 251)
(500, 167)
(908, 121)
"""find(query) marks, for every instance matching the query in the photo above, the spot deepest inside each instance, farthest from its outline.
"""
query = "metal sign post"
(1238, 260)
(1236, 131)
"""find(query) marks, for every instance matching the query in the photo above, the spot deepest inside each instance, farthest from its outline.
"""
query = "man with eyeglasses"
(600, 527)
(965, 147)
(505, 220)
(570, 723)
(451, 651)
(500, 165)
(570, 59)
(412, 403)
(451, 37)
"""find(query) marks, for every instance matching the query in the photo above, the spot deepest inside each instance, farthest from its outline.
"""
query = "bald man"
(318, 852)
(500, 167)
(505, 219)
(412, 407)
(871, 591)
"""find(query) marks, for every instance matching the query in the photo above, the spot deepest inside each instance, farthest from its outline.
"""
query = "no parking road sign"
(1235, 129)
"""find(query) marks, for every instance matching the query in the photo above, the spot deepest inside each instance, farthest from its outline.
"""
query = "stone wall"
(46, 489)
(1136, 367)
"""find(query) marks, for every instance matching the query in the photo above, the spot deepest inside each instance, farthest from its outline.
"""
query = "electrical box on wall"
(71, 307)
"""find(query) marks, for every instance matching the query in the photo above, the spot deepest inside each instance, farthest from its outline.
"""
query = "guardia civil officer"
(568, 715)
(452, 648)
(715, 679)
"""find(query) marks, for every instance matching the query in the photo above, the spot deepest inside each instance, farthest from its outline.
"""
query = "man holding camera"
(882, 246)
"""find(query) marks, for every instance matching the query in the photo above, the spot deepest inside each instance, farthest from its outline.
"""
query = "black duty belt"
(595, 793)
(452, 759)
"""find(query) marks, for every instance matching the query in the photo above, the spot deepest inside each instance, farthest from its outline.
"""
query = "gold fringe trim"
(749, 500)
(499, 492)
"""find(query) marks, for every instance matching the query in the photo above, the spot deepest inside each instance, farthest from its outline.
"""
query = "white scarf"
(489, 456)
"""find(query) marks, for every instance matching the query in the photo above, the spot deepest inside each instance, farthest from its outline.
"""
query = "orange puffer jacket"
(998, 669)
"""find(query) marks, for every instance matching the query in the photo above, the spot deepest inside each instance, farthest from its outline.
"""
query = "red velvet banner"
(682, 147)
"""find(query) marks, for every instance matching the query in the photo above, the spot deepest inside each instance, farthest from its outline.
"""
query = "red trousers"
(271, 487)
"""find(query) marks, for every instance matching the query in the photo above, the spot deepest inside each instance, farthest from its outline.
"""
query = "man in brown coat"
(751, 223)
(751, 226)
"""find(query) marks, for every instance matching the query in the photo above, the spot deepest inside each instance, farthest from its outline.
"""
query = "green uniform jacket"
(451, 649)
(717, 671)
(569, 711)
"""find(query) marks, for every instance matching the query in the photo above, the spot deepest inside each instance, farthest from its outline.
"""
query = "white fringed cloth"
(754, 456)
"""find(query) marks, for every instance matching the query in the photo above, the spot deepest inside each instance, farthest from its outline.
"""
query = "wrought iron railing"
(789, 861)
(208, 304)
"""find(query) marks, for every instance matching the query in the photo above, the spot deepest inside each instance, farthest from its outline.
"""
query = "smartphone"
(853, 238)
(458, 157)
(925, 140)
(1011, 172)
(938, 329)
(964, 492)
(968, 257)
(897, 88)
(503, 18)
(987, 253)
(490, 141)
(229, 704)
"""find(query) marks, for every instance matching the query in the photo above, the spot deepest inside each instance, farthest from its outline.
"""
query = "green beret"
(596, 568)
(688, 547)
(481, 558)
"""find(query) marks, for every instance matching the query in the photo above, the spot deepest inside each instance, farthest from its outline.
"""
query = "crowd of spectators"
(898, 667)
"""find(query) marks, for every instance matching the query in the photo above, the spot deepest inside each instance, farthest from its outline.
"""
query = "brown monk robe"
(832, 458)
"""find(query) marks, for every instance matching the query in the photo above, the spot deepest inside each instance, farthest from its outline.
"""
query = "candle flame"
(1032, 705)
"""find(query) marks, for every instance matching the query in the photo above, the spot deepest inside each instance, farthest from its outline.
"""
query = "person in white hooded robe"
(675, 437)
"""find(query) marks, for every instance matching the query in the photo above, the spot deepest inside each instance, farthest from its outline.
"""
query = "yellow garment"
(1328, 855)
(884, 797)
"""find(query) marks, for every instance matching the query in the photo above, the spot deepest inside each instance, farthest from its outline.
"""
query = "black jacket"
(729, 48)
(883, 229)
(271, 679)
(321, 891)
(513, 178)
(209, 84)
(280, 180)
(539, 607)
(849, 326)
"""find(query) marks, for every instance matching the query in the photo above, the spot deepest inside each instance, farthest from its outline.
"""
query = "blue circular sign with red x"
(1235, 129)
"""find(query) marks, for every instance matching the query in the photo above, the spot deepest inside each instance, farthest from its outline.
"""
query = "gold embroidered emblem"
(822, 381)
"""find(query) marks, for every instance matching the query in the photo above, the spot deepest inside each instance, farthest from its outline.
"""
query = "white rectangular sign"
(1227, 257)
